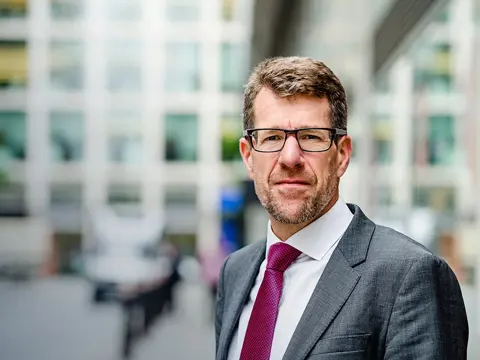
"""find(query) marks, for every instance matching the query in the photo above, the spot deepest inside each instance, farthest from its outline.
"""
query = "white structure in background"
(25, 245)
(124, 251)
(419, 224)
(110, 228)
(138, 72)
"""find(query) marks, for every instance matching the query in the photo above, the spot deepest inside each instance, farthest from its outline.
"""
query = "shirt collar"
(318, 237)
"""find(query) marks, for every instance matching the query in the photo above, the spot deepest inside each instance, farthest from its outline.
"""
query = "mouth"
(292, 183)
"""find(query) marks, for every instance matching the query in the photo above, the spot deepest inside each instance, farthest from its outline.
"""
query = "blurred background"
(121, 186)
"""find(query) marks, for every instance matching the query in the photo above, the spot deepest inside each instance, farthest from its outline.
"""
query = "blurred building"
(409, 71)
(129, 103)
(136, 104)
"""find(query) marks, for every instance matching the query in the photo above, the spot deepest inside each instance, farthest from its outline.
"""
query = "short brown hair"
(290, 76)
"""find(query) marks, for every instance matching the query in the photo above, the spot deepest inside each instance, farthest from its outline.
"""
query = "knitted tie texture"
(261, 326)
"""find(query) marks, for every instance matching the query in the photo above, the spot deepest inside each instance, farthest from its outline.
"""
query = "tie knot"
(280, 256)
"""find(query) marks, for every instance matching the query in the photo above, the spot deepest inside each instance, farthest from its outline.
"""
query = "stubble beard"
(310, 209)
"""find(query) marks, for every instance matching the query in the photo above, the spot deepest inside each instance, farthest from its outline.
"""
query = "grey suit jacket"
(381, 296)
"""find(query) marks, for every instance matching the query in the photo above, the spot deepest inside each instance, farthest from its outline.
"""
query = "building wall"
(127, 103)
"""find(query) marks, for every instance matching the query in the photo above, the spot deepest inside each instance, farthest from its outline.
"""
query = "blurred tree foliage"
(3, 157)
(230, 150)
(231, 133)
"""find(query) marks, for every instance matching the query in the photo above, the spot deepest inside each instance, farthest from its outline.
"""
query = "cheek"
(263, 167)
(322, 169)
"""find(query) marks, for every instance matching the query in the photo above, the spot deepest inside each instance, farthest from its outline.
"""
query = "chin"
(290, 215)
(290, 219)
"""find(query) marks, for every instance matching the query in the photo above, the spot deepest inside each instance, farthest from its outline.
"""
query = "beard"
(291, 212)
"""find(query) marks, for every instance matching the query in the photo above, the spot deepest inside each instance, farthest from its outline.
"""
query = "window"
(181, 137)
(433, 82)
(66, 136)
(231, 133)
(66, 207)
(12, 200)
(382, 151)
(382, 140)
(67, 9)
(234, 10)
(440, 199)
(441, 140)
(181, 214)
(433, 65)
(123, 10)
(227, 9)
(125, 199)
(13, 64)
(124, 67)
(118, 194)
(125, 149)
(125, 137)
(443, 16)
(66, 65)
(66, 194)
(12, 134)
(234, 71)
(182, 67)
(180, 195)
(13, 8)
(183, 10)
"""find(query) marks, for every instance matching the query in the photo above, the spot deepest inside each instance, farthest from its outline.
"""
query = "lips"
(292, 182)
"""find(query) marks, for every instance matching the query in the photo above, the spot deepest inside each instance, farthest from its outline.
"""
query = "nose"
(291, 155)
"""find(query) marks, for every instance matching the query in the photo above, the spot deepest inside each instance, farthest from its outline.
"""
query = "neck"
(285, 231)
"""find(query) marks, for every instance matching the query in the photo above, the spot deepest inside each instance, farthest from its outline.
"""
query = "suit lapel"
(334, 287)
(243, 283)
(332, 290)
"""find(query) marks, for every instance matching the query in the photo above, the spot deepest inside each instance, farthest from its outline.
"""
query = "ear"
(247, 156)
(344, 153)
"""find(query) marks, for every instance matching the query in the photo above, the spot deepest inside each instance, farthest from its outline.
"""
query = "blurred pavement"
(53, 319)
(187, 334)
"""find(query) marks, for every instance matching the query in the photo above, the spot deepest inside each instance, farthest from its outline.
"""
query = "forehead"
(290, 112)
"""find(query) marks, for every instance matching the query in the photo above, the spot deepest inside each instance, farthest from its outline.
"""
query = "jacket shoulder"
(389, 242)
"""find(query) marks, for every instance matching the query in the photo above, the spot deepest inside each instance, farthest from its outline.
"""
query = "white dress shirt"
(317, 242)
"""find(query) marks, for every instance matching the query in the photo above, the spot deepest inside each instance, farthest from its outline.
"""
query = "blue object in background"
(232, 201)
(231, 208)
(230, 235)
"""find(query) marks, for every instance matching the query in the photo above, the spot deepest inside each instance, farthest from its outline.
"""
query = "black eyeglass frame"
(334, 133)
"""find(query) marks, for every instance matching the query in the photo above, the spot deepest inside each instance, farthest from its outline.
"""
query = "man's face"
(295, 186)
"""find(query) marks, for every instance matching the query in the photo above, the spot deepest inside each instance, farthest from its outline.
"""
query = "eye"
(270, 136)
(311, 137)
(314, 136)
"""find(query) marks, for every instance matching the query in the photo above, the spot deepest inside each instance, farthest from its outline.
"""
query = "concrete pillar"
(463, 52)
(208, 197)
(403, 139)
(153, 33)
(37, 124)
(362, 139)
(95, 155)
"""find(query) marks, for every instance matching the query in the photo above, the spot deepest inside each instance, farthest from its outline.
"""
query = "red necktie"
(261, 326)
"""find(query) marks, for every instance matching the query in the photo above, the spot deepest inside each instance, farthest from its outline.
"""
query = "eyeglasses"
(309, 139)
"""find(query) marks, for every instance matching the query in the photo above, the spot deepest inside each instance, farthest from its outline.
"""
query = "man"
(327, 283)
